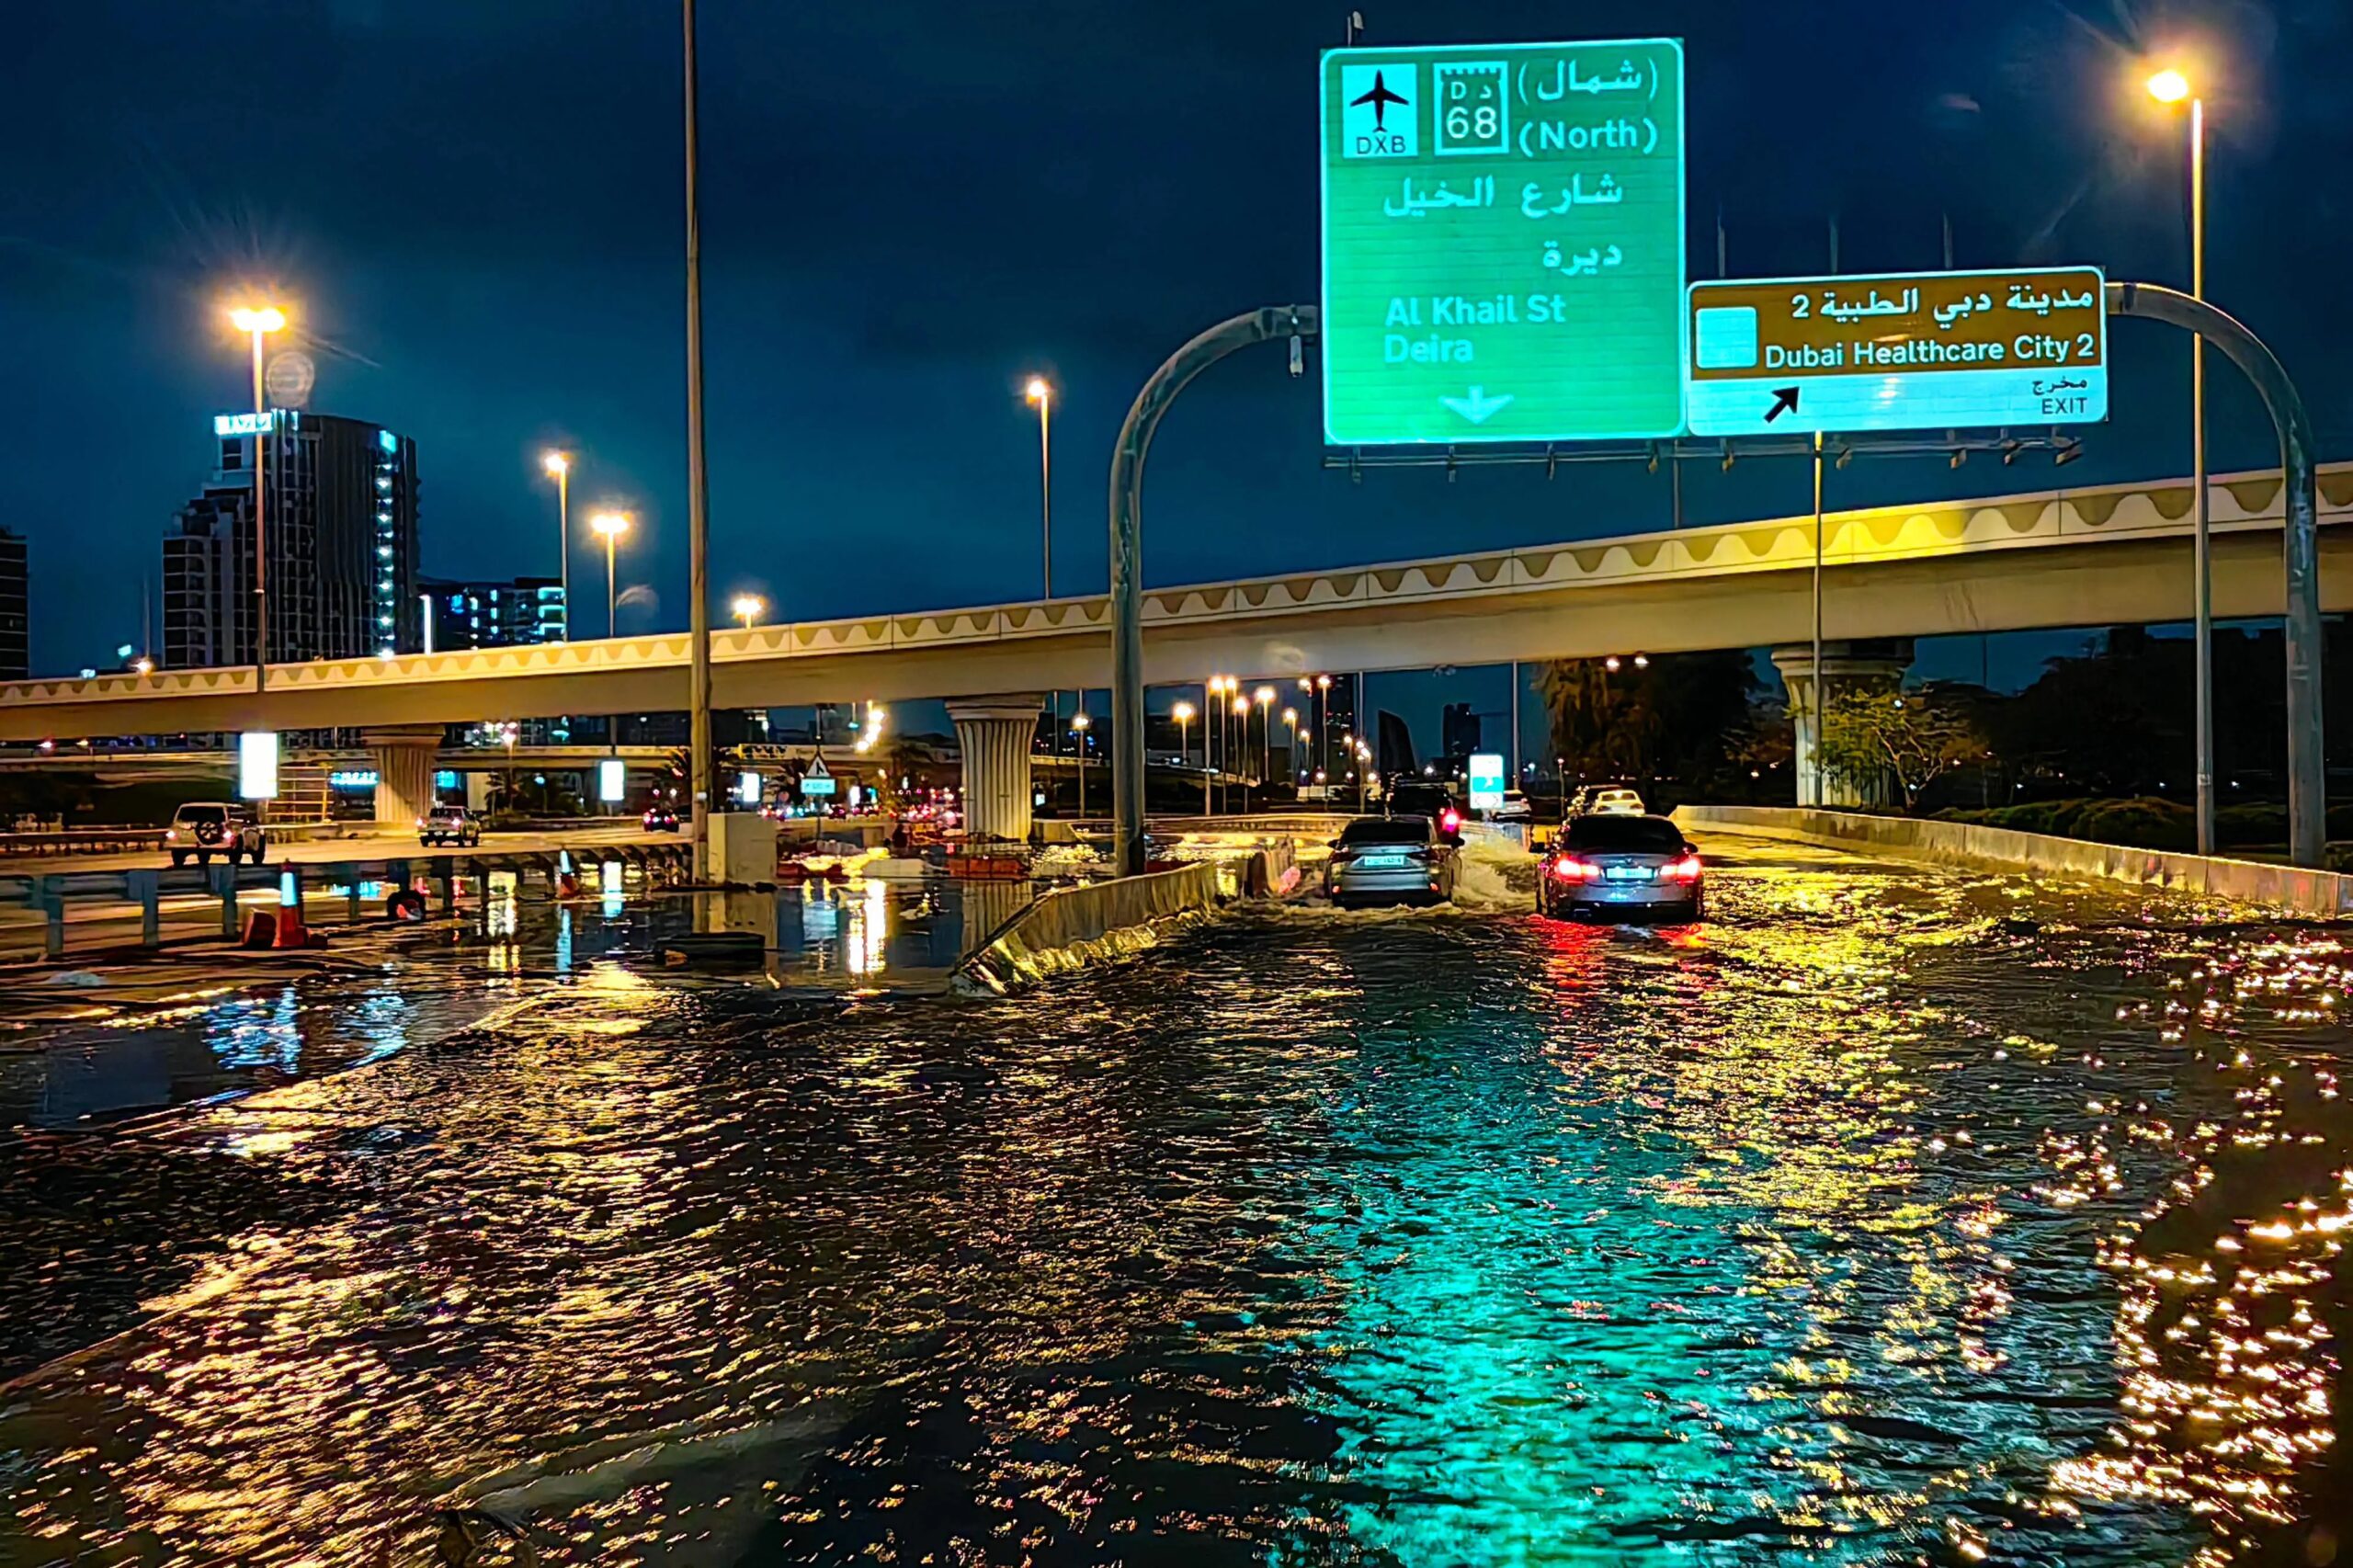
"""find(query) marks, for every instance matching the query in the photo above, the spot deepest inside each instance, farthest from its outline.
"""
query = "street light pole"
(1183, 714)
(559, 467)
(1042, 394)
(1295, 322)
(610, 525)
(260, 322)
(698, 492)
(1078, 726)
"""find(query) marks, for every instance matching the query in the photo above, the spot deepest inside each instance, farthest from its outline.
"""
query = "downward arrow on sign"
(1478, 406)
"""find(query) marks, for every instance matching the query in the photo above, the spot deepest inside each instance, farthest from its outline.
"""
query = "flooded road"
(1896, 1215)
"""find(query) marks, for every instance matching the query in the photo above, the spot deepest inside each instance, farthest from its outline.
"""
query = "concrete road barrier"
(2326, 895)
(1071, 926)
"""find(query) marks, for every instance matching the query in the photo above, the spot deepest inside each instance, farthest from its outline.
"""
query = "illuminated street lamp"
(2170, 85)
(1265, 697)
(1039, 392)
(1183, 713)
(558, 466)
(259, 321)
(1290, 722)
(746, 607)
(1079, 724)
(1215, 689)
(610, 525)
(1240, 709)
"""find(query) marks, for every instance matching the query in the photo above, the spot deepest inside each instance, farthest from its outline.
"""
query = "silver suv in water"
(206, 828)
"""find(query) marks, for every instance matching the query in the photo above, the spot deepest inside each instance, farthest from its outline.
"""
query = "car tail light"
(1569, 869)
(1450, 819)
(1684, 871)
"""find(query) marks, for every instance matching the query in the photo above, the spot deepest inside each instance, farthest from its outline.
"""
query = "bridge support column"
(405, 759)
(996, 735)
(1877, 665)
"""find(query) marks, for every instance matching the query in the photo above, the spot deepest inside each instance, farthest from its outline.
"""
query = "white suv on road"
(206, 828)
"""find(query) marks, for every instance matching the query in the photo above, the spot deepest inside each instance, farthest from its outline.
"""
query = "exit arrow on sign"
(1785, 401)
(1478, 406)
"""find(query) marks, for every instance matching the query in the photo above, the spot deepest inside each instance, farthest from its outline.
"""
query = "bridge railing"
(49, 894)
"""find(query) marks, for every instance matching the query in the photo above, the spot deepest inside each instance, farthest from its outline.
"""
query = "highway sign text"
(1905, 352)
(1503, 243)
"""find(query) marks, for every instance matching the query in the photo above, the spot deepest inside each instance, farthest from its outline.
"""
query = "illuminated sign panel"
(613, 780)
(257, 766)
(1911, 351)
(1503, 243)
(1486, 774)
(245, 424)
(353, 778)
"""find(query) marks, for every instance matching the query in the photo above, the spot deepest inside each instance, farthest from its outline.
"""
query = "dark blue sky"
(476, 209)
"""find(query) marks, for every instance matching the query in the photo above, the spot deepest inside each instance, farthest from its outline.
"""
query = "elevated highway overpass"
(2038, 559)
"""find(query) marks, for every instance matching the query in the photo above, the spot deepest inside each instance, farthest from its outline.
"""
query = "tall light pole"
(1215, 696)
(1183, 714)
(1241, 709)
(698, 494)
(1042, 394)
(1079, 723)
(610, 525)
(1265, 697)
(259, 321)
(1324, 723)
(559, 468)
(2170, 86)
(746, 607)
(1290, 722)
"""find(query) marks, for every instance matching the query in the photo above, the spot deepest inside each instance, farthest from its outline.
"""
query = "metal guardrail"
(125, 840)
(82, 841)
(49, 894)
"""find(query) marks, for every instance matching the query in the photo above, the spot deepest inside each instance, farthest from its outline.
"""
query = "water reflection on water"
(1895, 1216)
(187, 1031)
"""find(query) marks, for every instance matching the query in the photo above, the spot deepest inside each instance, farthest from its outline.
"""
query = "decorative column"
(404, 758)
(995, 734)
(1874, 666)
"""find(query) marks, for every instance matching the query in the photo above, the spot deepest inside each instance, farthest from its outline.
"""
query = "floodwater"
(1896, 1215)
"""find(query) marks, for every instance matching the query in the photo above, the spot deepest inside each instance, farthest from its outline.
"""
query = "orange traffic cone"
(290, 932)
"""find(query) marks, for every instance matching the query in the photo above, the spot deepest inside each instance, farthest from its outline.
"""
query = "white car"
(1606, 800)
(202, 829)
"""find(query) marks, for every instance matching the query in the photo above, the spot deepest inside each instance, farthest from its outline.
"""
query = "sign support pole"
(2300, 509)
(1821, 709)
(1127, 549)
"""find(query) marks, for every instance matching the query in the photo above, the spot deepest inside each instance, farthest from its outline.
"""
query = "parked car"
(1606, 799)
(1418, 798)
(1395, 859)
(1612, 865)
(202, 829)
(448, 824)
(661, 819)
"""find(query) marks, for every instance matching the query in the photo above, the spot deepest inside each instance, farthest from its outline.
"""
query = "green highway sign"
(1503, 243)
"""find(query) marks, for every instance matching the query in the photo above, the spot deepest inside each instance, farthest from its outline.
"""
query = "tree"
(1683, 718)
(1913, 738)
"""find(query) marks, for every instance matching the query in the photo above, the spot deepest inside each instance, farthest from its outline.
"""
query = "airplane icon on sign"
(1381, 97)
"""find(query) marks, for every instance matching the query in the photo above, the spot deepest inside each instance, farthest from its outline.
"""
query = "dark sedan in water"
(1616, 867)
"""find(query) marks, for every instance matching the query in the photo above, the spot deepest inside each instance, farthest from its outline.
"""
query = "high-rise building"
(341, 526)
(16, 643)
(1457, 730)
(492, 614)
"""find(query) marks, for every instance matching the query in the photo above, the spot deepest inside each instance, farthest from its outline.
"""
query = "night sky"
(475, 208)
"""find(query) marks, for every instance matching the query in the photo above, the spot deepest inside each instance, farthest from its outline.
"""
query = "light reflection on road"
(1894, 1215)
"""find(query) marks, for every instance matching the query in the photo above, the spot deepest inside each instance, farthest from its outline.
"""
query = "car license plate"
(1384, 862)
(1629, 873)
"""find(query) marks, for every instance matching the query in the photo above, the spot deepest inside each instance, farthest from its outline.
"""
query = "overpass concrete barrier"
(2324, 894)
(1071, 926)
